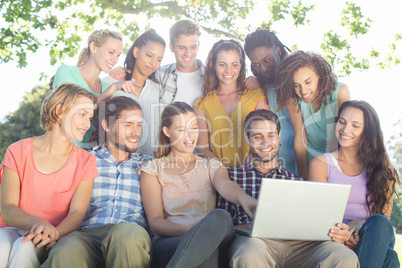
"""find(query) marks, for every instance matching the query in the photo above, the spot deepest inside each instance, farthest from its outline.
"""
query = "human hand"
(41, 234)
(353, 240)
(246, 226)
(356, 225)
(249, 204)
(340, 235)
(128, 87)
(251, 83)
(119, 73)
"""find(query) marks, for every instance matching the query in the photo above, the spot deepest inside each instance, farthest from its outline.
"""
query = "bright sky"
(381, 88)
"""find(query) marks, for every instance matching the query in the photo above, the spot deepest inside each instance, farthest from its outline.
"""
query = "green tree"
(25, 121)
(24, 21)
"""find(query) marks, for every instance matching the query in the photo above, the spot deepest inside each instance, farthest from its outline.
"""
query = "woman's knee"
(379, 221)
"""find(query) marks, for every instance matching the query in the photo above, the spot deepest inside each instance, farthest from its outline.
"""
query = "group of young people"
(176, 155)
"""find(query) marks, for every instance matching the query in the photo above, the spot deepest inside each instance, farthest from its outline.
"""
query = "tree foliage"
(25, 121)
(71, 20)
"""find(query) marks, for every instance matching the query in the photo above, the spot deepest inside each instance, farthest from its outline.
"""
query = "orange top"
(47, 196)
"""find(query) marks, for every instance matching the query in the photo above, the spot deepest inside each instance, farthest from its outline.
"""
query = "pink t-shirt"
(47, 196)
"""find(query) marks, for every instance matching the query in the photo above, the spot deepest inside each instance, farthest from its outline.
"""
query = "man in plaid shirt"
(262, 131)
(114, 230)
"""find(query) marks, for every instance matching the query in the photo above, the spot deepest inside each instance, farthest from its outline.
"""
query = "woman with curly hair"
(362, 161)
(225, 103)
(307, 86)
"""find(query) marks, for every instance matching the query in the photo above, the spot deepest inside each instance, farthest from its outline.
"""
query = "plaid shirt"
(249, 178)
(166, 75)
(116, 192)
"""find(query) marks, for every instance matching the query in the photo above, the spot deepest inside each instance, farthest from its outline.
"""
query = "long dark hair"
(263, 37)
(373, 155)
(148, 35)
(211, 81)
(296, 60)
(110, 111)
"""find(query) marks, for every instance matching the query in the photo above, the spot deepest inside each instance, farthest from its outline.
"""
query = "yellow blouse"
(226, 132)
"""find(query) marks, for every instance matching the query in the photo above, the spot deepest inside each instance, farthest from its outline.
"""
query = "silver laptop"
(298, 210)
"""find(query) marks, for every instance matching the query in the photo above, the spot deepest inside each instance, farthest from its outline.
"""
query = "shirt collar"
(199, 63)
(278, 170)
(102, 150)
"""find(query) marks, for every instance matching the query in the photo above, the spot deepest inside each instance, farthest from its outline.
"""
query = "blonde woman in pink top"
(178, 192)
(47, 180)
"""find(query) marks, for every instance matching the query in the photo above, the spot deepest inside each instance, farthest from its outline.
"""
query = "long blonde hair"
(99, 38)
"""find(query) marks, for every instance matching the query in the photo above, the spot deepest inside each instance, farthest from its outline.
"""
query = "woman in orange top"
(47, 180)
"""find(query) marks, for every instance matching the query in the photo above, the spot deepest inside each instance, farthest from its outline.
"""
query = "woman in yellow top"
(225, 103)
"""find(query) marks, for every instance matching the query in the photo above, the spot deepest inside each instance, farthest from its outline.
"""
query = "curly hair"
(211, 81)
(284, 85)
(373, 155)
(148, 35)
(263, 37)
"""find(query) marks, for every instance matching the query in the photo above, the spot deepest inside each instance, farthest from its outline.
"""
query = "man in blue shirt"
(114, 230)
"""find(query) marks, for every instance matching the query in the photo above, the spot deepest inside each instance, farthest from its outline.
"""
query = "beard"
(263, 159)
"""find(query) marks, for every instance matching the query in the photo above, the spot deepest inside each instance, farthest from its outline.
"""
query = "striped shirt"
(116, 194)
(249, 178)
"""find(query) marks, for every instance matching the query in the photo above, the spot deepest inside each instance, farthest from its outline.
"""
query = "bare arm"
(10, 197)
(126, 86)
(343, 95)
(72, 222)
(318, 169)
(232, 192)
(262, 104)
(300, 142)
(251, 83)
(151, 194)
(203, 139)
(18, 218)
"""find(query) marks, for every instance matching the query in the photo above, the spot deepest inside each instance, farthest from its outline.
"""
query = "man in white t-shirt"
(182, 80)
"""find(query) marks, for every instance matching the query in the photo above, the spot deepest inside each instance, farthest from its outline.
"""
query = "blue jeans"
(204, 245)
(376, 243)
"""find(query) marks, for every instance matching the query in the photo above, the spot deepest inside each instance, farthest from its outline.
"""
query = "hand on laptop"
(246, 226)
(340, 235)
(249, 204)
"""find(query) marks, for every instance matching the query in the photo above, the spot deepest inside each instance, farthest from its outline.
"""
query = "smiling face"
(350, 127)
(265, 60)
(107, 55)
(183, 133)
(148, 58)
(124, 135)
(305, 82)
(76, 121)
(263, 139)
(227, 67)
(185, 50)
